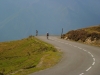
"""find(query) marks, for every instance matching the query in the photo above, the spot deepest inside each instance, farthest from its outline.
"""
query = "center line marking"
(92, 56)
(81, 74)
(79, 47)
(88, 68)
(75, 46)
(94, 59)
(83, 50)
(93, 63)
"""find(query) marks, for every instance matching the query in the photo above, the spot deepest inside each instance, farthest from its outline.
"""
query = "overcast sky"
(21, 18)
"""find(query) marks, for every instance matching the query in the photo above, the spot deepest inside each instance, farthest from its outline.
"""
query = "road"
(78, 59)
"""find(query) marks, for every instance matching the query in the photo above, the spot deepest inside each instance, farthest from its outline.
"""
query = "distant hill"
(89, 35)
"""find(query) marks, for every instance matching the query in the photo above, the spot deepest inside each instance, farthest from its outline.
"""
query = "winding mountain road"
(78, 59)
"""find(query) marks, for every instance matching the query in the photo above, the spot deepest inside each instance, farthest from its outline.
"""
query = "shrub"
(82, 35)
(77, 35)
(95, 35)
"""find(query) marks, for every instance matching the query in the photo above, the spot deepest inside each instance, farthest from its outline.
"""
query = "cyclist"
(36, 32)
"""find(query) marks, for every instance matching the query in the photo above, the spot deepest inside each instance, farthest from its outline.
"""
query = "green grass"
(26, 56)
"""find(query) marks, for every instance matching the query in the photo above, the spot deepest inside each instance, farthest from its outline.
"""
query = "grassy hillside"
(25, 56)
(90, 35)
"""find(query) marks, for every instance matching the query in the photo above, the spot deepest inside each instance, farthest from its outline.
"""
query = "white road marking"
(93, 63)
(79, 47)
(81, 74)
(83, 50)
(92, 56)
(94, 59)
(89, 53)
(88, 68)
(75, 46)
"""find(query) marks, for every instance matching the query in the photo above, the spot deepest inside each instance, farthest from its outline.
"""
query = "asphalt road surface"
(78, 59)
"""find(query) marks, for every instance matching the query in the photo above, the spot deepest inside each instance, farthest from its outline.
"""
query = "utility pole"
(62, 33)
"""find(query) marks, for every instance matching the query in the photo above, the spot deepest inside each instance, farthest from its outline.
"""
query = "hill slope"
(90, 35)
(25, 56)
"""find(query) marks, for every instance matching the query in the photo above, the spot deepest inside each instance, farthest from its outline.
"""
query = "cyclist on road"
(36, 32)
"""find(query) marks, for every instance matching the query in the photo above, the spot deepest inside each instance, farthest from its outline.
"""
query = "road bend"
(78, 58)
